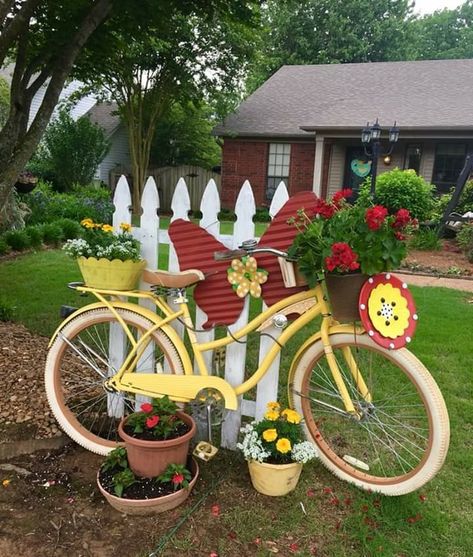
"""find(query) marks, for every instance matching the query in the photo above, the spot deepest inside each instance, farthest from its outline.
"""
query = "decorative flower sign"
(245, 277)
(387, 311)
(361, 168)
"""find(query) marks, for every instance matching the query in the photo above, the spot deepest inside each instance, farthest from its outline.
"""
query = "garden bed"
(449, 261)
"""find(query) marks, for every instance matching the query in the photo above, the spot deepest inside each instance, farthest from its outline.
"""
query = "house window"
(449, 161)
(278, 167)
(413, 155)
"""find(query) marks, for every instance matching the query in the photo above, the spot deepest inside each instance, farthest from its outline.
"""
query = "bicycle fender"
(311, 340)
(145, 312)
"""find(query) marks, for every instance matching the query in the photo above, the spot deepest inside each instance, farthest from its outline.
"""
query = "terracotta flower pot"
(344, 292)
(274, 479)
(155, 505)
(110, 275)
(151, 458)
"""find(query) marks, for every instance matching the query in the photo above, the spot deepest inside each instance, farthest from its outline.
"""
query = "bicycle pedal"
(205, 451)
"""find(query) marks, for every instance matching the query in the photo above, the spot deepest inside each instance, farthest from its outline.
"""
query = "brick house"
(303, 125)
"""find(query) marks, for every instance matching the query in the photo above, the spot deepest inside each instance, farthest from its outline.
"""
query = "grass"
(323, 516)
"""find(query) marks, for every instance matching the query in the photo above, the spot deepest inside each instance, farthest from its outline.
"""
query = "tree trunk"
(17, 144)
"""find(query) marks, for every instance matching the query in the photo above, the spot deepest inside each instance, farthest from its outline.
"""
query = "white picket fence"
(151, 237)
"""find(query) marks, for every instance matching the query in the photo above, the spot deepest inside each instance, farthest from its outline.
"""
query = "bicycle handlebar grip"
(228, 254)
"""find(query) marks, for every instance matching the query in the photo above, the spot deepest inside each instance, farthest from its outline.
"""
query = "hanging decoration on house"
(195, 249)
(361, 168)
(245, 277)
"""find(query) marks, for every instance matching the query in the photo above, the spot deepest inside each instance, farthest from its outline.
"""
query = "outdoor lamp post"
(371, 139)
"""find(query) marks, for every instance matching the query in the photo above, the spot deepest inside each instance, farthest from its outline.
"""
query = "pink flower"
(177, 479)
(146, 407)
(152, 421)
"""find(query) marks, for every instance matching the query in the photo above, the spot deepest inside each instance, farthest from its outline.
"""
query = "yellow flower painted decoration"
(270, 435)
(245, 277)
(388, 310)
(292, 416)
(283, 445)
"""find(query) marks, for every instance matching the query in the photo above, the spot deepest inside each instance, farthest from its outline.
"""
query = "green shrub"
(17, 239)
(262, 215)
(3, 246)
(399, 189)
(465, 240)
(45, 205)
(52, 234)
(70, 228)
(425, 239)
(6, 310)
(35, 234)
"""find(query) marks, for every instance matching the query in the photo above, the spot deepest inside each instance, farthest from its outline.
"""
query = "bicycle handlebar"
(247, 250)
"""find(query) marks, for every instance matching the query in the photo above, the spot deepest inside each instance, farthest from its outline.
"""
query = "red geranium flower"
(375, 216)
(146, 407)
(177, 479)
(339, 196)
(343, 258)
(402, 218)
(152, 421)
(324, 209)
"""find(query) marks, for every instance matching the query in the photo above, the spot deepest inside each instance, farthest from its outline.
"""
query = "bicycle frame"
(309, 304)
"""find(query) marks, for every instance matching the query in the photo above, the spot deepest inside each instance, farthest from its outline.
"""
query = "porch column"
(318, 164)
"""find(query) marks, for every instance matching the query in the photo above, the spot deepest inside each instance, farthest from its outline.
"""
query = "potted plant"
(26, 182)
(132, 494)
(346, 243)
(156, 436)
(108, 259)
(275, 450)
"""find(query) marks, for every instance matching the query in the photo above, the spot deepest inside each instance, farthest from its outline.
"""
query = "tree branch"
(11, 30)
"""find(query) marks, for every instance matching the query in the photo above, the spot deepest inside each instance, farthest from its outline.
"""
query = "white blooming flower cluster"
(303, 452)
(77, 248)
(251, 446)
(122, 250)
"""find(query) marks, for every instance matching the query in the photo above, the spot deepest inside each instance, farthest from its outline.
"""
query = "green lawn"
(334, 518)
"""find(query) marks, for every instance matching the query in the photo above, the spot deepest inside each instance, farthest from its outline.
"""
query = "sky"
(429, 6)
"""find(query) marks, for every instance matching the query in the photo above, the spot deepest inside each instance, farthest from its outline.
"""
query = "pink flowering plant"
(157, 419)
(343, 238)
(177, 475)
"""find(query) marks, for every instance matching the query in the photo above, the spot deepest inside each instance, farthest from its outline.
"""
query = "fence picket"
(267, 388)
(210, 207)
(244, 229)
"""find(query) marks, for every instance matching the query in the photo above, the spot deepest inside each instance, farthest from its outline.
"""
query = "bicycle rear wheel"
(78, 364)
(400, 441)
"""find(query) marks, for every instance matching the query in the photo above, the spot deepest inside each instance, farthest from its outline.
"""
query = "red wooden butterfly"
(195, 249)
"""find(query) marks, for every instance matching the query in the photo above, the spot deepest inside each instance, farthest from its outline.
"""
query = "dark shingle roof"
(104, 114)
(426, 94)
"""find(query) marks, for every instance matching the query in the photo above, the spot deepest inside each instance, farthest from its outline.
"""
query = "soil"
(49, 502)
(448, 261)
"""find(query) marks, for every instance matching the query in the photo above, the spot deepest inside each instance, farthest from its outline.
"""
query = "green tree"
(195, 51)
(183, 136)
(331, 31)
(445, 34)
(71, 151)
(4, 100)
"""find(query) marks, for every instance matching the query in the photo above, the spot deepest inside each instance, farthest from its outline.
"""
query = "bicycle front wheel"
(399, 439)
(81, 359)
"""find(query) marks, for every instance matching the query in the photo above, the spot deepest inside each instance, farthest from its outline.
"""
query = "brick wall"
(301, 170)
(243, 160)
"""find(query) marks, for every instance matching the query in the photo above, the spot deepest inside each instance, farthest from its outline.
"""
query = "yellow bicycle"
(376, 416)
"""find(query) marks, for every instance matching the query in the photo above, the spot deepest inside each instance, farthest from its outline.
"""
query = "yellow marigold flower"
(283, 445)
(107, 228)
(125, 226)
(272, 415)
(273, 406)
(270, 435)
(292, 416)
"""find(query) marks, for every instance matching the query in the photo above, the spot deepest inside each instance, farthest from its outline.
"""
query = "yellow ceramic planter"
(274, 479)
(110, 275)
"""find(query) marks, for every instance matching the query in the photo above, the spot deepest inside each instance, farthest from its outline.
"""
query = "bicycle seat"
(173, 280)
